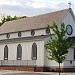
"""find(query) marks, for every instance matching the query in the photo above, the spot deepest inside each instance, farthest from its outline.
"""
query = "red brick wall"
(36, 69)
(21, 68)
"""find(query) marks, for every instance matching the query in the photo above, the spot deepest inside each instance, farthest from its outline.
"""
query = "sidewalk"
(6, 72)
(56, 73)
(9, 71)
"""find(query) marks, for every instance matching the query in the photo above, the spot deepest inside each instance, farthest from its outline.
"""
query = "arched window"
(7, 35)
(32, 32)
(6, 52)
(19, 34)
(47, 30)
(19, 52)
(34, 51)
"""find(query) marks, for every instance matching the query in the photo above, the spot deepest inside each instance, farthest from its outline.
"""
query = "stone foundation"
(36, 69)
(51, 69)
(20, 68)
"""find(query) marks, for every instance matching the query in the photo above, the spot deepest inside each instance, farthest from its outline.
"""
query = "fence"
(17, 62)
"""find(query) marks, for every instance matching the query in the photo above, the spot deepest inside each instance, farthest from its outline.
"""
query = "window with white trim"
(6, 52)
(34, 51)
(19, 52)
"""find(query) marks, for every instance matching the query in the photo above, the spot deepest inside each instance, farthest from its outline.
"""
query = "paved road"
(10, 72)
(25, 74)
(40, 74)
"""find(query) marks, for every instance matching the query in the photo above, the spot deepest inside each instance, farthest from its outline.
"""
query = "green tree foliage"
(58, 45)
(9, 18)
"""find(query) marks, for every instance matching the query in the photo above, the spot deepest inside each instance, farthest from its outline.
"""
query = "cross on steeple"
(69, 4)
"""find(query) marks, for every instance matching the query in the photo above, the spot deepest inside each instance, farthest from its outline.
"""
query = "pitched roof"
(34, 22)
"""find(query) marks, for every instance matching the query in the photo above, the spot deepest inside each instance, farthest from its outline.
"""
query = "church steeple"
(69, 4)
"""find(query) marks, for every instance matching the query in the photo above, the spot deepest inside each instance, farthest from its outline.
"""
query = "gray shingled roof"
(34, 22)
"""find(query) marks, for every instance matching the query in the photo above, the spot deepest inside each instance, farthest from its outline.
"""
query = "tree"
(9, 18)
(58, 45)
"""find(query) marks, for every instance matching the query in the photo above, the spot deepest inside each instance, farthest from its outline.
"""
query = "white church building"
(22, 42)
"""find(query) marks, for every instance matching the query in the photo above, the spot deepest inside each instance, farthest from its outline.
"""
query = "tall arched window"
(19, 52)
(6, 52)
(34, 51)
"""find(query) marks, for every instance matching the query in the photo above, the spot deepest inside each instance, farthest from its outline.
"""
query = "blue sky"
(33, 7)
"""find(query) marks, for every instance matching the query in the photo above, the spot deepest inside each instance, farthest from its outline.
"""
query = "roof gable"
(34, 22)
(72, 13)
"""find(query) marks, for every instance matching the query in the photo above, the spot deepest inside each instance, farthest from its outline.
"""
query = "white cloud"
(27, 7)
(38, 0)
(36, 4)
(9, 2)
(40, 4)
(46, 4)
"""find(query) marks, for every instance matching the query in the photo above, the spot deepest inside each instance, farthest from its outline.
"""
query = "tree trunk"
(59, 68)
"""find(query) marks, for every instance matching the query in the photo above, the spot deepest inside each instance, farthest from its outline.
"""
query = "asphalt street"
(39, 74)
(25, 74)
(11, 72)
